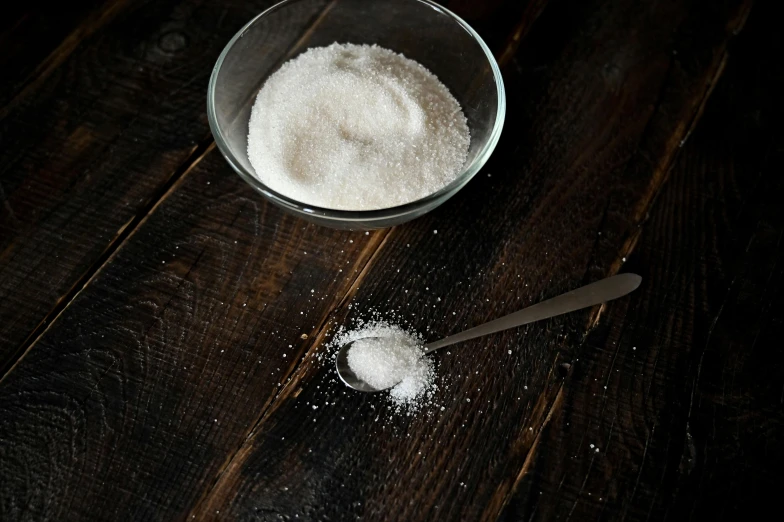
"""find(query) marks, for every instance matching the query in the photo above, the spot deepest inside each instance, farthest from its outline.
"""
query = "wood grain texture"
(158, 369)
(128, 406)
(674, 410)
(602, 105)
(87, 152)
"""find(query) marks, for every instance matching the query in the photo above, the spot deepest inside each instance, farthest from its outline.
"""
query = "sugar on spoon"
(583, 297)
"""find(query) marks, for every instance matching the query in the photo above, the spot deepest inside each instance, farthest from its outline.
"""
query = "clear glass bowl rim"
(362, 215)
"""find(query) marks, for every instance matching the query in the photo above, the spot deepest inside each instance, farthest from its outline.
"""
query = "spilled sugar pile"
(356, 127)
(385, 355)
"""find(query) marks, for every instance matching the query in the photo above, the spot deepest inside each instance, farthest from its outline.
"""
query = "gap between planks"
(295, 375)
(155, 200)
(110, 252)
(383, 236)
(629, 245)
(500, 499)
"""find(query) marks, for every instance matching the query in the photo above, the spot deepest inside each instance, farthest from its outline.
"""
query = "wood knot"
(173, 41)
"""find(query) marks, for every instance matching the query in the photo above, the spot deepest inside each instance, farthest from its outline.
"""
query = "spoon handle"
(584, 297)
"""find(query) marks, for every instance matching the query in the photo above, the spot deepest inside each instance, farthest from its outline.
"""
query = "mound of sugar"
(356, 127)
(386, 355)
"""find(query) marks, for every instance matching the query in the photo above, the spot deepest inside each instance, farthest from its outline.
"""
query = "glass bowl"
(419, 29)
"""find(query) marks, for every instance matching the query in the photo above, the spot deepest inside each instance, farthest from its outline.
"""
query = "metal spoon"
(584, 297)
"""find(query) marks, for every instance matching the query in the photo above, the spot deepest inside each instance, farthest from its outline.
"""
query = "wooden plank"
(502, 24)
(680, 388)
(602, 105)
(128, 406)
(37, 36)
(158, 368)
(90, 148)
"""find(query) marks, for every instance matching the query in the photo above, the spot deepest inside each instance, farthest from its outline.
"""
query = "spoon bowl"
(347, 375)
(583, 297)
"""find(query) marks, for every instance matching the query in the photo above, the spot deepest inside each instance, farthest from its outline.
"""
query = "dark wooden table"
(148, 295)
